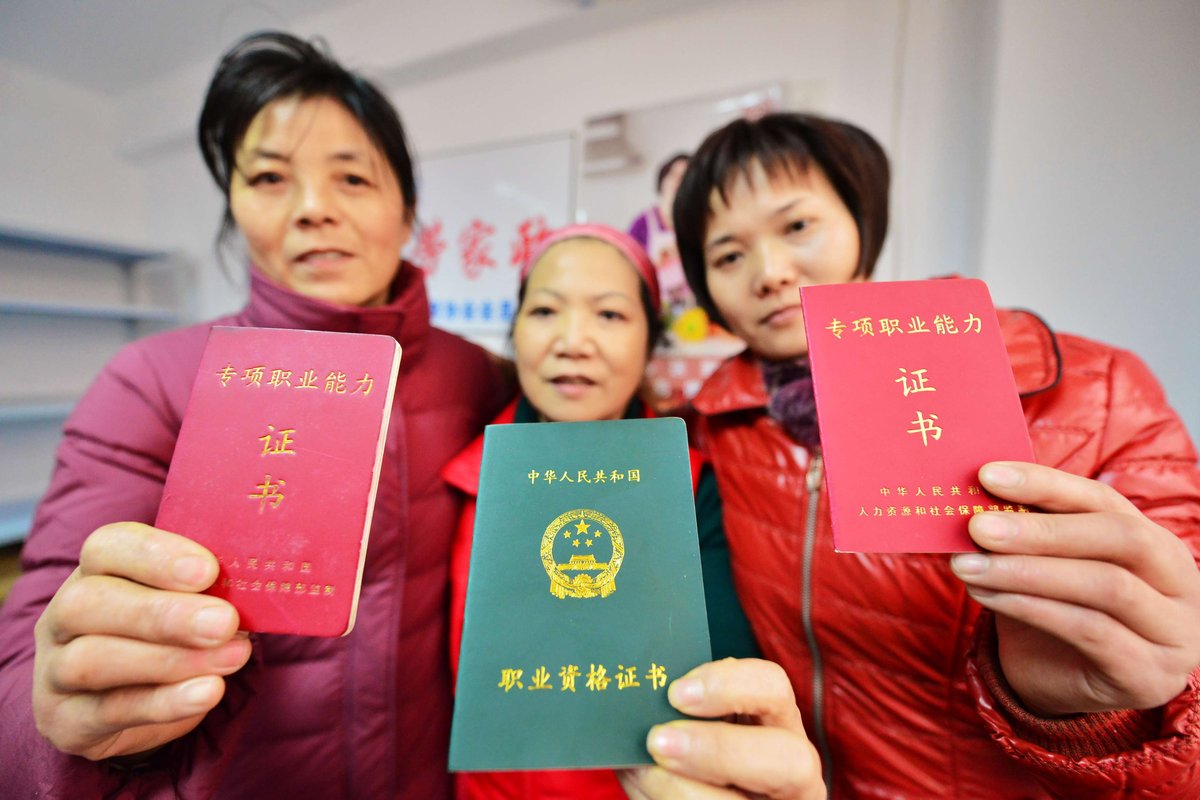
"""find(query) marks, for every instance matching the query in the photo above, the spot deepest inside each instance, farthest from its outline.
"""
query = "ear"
(407, 219)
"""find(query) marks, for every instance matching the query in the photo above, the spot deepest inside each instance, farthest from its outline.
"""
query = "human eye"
(540, 310)
(724, 260)
(264, 178)
(352, 179)
(612, 315)
(797, 225)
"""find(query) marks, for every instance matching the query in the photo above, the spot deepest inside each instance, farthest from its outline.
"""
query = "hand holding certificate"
(914, 394)
(276, 468)
(766, 752)
(925, 440)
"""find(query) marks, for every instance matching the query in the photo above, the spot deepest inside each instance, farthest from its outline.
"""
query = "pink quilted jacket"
(366, 715)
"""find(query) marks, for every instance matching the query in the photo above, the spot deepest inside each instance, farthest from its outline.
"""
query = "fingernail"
(996, 528)
(196, 693)
(191, 570)
(232, 655)
(685, 692)
(1001, 476)
(981, 594)
(969, 563)
(667, 742)
(212, 623)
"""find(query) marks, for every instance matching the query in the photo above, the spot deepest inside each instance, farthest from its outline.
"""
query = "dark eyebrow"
(347, 155)
(350, 155)
(601, 296)
(720, 241)
(788, 206)
(614, 293)
(259, 152)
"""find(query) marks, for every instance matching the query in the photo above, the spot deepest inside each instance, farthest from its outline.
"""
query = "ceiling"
(113, 46)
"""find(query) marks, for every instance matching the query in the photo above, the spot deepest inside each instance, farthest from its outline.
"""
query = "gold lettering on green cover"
(572, 547)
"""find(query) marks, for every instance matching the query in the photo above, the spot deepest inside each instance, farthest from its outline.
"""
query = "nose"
(776, 267)
(573, 336)
(315, 205)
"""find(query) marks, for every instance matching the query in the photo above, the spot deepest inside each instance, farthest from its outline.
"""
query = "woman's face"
(581, 334)
(318, 203)
(772, 237)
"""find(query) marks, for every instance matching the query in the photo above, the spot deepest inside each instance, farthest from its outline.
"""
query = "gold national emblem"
(582, 535)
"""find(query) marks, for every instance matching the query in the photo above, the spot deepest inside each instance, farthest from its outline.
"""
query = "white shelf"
(132, 313)
(35, 409)
(16, 517)
(53, 243)
(67, 305)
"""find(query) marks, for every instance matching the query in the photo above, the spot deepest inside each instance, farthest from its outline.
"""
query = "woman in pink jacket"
(141, 686)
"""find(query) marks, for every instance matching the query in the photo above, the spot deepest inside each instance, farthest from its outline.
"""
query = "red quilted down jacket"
(891, 661)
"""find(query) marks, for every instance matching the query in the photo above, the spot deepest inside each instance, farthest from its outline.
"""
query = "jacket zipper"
(812, 482)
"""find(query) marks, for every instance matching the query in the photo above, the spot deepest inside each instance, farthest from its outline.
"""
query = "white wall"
(185, 213)
(659, 132)
(59, 164)
(943, 108)
(716, 48)
(1094, 177)
(1048, 147)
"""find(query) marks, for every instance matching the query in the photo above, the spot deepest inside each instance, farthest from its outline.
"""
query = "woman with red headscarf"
(586, 323)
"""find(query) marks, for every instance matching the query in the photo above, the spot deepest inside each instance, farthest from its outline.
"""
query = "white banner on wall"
(480, 211)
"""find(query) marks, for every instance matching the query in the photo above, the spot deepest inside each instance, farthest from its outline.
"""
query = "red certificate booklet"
(914, 394)
(276, 468)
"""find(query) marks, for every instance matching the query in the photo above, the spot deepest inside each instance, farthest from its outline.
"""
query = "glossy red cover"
(914, 393)
(276, 468)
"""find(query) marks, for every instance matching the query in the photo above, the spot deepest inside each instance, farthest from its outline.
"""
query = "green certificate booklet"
(585, 598)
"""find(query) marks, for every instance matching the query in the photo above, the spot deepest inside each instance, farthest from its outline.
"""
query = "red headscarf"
(625, 244)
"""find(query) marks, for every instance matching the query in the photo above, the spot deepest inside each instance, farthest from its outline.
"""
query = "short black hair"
(665, 167)
(782, 143)
(270, 65)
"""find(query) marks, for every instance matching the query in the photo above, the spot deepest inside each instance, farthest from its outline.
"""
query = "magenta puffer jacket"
(892, 663)
(362, 716)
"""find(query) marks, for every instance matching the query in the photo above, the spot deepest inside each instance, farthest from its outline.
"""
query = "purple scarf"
(790, 399)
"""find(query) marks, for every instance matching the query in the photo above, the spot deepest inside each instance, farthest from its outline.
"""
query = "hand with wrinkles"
(1097, 607)
(764, 753)
(129, 655)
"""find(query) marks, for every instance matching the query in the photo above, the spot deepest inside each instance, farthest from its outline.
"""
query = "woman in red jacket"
(1060, 661)
(585, 325)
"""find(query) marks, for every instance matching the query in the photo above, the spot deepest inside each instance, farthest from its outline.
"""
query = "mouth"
(572, 380)
(782, 317)
(324, 255)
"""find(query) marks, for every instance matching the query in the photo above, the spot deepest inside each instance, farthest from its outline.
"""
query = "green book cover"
(585, 597)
